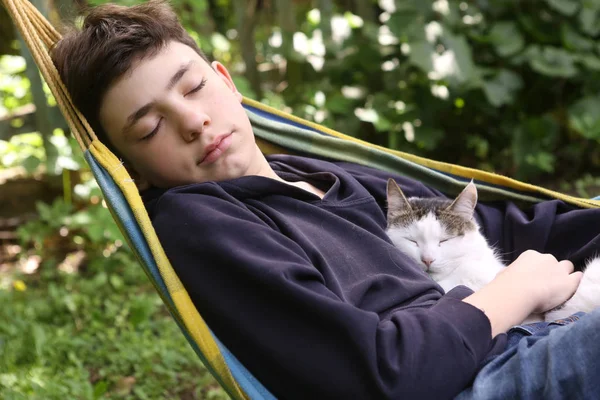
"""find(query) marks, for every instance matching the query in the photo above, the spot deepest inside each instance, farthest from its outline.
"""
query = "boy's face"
(178, 121)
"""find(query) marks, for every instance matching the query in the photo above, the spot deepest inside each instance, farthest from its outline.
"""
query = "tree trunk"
(246, 20)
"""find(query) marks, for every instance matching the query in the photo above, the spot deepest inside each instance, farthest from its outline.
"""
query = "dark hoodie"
(312, 297)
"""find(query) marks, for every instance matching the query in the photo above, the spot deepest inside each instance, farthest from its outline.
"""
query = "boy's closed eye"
(196, 89)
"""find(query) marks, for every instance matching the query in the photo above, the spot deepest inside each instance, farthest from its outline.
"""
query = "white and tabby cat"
(443, 237)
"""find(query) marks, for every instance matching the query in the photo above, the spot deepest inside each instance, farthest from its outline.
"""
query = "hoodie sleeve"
(271, 307)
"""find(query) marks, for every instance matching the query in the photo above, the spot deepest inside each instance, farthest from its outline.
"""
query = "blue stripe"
(251, 386)
(118, 204)
(273, 117)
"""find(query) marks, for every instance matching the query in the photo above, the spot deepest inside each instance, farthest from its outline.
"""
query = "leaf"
(44, 210)
(81, 218)
(39, 340)
(590, 61)
(95, 232)
(466, 71)
(337, 103)
(141, 310)
(100, 388)
(531, 146)
(407, 24)
(421, 55)
(428, 138)
(588, 19)
(31, 163)
(502, 88)
(552, 61)
(543, 160)
(63, 162)
(69, 302)
(584, 117)
(574, 41)
(565, 7)
(116, 281)
(506, 38)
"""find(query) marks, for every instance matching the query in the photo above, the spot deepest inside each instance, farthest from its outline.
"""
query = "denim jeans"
(556, 360)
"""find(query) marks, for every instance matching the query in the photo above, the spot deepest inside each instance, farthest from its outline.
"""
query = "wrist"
(504, 303)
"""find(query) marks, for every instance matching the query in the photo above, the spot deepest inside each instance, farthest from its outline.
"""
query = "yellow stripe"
(193, 322)
(465, 172)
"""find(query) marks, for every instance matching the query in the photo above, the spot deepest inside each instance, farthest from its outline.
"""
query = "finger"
(567, 265)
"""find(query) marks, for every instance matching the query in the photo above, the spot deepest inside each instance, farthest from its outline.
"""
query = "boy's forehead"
(164, 63)
(146, 80)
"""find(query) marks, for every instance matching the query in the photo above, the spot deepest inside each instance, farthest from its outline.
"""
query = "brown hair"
(112, 38)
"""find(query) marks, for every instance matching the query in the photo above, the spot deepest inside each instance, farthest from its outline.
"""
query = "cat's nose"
(427, 261)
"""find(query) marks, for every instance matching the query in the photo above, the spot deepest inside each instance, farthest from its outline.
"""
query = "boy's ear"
(224, 75)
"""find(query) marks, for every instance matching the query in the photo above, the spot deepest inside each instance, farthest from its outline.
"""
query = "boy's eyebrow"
(140, 112)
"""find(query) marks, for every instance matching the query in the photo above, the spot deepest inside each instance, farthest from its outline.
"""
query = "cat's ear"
(465, 203)
(396, 200)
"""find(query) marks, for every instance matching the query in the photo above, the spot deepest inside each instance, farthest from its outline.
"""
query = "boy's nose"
(193, 123)
(191, 131)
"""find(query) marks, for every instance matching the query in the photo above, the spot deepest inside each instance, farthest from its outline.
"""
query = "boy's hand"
(549, 282)
(533, 283)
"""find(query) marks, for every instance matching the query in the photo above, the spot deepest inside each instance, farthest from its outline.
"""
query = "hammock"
(276, 132)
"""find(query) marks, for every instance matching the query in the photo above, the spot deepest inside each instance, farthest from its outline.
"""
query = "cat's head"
(436, 232)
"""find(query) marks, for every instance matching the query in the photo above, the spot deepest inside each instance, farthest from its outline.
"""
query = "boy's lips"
(214, 150)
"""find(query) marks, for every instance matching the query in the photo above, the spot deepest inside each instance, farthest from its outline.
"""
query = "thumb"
(575, 280)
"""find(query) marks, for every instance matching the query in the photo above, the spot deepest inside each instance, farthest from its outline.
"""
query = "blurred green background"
(510, 86)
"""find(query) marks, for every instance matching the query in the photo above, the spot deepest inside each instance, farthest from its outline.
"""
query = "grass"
(99, 333)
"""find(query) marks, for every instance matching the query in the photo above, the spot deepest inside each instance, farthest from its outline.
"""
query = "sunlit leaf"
(466, 70)
(11, 65)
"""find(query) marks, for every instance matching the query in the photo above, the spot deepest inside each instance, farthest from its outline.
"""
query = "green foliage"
(95, 331)
(493, 85)
(14, 86)
(92, 328)
(26, 150)
(103, 333)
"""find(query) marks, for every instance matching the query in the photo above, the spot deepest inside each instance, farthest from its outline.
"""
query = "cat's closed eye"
(413, 242)
(447, 239)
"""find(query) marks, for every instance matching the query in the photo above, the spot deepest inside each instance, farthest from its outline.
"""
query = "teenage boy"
(287, 258)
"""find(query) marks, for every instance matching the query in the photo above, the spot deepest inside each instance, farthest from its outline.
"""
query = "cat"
(443, 237)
